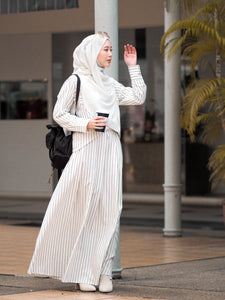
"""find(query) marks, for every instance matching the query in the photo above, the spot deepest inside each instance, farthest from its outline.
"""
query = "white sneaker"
(105, 284)
(85, 287)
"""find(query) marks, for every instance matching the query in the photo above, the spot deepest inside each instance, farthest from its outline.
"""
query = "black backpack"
(59, 144)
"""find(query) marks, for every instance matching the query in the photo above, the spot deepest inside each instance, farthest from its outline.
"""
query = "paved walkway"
(154, 267)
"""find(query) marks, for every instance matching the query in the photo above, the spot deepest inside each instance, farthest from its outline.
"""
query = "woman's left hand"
(130, 55)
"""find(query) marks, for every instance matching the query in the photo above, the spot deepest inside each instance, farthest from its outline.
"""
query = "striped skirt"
(78, 236)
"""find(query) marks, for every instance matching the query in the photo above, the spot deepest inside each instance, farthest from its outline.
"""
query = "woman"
(78, 237)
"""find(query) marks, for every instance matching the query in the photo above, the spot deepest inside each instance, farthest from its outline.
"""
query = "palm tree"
(203, 104)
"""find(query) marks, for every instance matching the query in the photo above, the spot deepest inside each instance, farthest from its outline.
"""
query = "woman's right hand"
(97, 123)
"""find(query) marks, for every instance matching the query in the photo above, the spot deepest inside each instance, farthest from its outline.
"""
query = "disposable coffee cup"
(102, 115)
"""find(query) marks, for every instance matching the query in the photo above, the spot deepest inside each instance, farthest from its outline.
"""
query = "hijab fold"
(97, 88)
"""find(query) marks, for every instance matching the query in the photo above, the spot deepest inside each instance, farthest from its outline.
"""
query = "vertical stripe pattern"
(77, 240)
(78, 236)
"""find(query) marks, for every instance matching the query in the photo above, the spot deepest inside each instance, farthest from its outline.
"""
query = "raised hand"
(130, 55)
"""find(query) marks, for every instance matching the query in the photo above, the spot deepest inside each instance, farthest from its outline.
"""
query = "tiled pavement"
(155, 267)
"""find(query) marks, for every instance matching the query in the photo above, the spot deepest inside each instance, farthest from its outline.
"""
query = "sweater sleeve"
(65, 100)
(136, 94)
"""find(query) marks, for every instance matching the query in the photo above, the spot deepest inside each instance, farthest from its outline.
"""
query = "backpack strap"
(78, 88)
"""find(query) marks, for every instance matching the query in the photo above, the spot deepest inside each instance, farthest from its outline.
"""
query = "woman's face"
(105, 55)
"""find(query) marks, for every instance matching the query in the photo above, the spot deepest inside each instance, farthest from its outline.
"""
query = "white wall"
(24, 163)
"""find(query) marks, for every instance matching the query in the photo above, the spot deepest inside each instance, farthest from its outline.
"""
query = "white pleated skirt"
(78, 237)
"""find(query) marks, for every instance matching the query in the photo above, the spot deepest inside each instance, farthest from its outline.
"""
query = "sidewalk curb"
(159, 199)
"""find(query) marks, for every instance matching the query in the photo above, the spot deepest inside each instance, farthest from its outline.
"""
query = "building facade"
(37, 43)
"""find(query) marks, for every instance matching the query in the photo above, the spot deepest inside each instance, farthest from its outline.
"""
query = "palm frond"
(199, 50)
(217, 166)
(203, 106)
(199, 94)
(207, 11)
(175, 27)
(211, 129)
(195, 29)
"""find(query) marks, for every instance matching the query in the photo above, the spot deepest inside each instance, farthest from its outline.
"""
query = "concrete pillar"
(172, 133)
(106, 19)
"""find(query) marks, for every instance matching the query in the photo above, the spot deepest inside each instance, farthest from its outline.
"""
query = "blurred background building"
(37, 39)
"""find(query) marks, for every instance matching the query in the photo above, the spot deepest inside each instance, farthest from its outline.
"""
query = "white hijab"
(97, 87)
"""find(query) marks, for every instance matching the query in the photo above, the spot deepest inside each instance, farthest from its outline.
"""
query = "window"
(21, 6)
(140, 41)
(23, 99)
